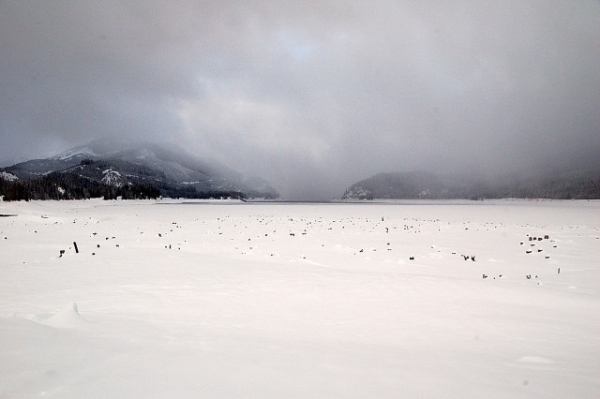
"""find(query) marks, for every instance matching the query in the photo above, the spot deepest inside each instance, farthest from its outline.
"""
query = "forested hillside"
(427, 185)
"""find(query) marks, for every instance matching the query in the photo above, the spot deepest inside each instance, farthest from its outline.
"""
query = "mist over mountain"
(571, 184)
(311, 96)
(131, 169)
(166, 167)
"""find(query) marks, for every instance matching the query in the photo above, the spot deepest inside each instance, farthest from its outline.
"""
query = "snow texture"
(75, 152)
(8, 176)
(494, 299)
(111, 177)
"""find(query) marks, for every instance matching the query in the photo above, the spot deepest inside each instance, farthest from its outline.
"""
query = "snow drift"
(230, 299)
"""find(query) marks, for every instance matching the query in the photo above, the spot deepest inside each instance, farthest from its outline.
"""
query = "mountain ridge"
(571, 184)
(166, 167)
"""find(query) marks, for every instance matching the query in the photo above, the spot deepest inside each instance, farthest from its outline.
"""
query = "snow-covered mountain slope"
(165, 166)
(8, 176)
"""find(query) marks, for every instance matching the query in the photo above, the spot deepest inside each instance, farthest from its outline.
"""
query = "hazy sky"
(311, 95)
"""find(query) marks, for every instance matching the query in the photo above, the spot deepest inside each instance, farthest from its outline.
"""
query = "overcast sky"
(311, 95)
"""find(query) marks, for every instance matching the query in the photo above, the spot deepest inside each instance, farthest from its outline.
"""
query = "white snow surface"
(243, 300)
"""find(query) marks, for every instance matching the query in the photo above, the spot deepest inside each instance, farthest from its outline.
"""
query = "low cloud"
(312, 96)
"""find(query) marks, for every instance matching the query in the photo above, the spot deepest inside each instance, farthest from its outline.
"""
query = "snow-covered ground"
(241, 300)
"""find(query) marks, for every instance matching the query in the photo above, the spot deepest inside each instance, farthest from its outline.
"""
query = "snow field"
(300, 300)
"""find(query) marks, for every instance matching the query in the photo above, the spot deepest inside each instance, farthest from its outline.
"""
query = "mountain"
(576, 183)
(396, 186)
(165, 167)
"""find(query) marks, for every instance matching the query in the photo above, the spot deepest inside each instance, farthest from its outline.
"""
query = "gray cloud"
(310, 95)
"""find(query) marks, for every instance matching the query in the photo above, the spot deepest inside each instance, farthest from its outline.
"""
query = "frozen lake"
(494, 299)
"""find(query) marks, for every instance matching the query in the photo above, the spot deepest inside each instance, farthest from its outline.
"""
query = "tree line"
(61, 186)
(70, 186)
(428, 186)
